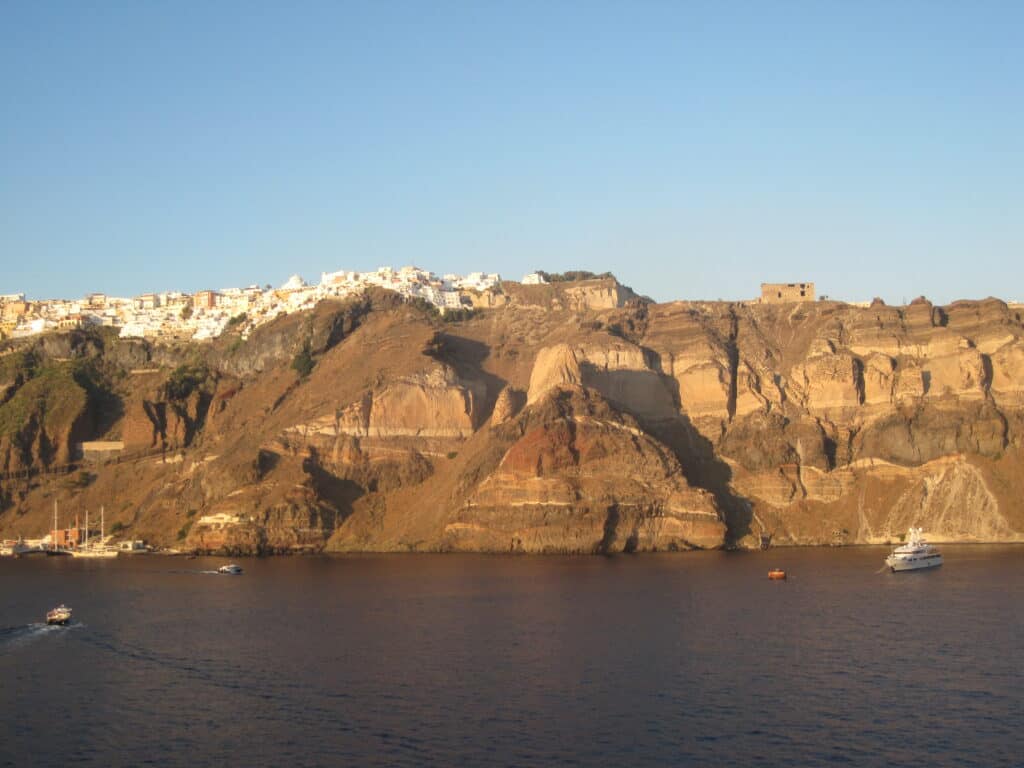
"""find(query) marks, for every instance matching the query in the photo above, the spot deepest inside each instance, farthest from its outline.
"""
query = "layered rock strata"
(568, 418)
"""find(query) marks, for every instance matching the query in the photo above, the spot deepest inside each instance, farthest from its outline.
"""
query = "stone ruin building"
(780, 293)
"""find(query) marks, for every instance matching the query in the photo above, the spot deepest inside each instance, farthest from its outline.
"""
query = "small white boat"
(914, 555)
(59, 615)
(230, 569)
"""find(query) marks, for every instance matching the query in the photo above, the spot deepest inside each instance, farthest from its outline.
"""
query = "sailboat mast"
(53, 543)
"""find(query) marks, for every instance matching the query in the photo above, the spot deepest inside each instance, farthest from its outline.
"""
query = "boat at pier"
(55, 549)
(914, 555)
(20, 548)
(95, 549)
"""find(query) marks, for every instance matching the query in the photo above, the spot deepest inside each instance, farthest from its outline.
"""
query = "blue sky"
(694, 149)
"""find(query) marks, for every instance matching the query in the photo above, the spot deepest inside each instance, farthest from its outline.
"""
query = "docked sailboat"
(95, 549)
(914, 555)
(54, 549)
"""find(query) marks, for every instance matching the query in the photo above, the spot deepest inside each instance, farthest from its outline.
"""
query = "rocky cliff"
(571, 417)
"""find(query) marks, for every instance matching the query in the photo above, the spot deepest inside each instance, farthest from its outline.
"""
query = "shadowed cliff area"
(570, 417)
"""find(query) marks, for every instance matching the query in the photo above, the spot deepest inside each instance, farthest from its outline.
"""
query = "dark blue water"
(689, 659)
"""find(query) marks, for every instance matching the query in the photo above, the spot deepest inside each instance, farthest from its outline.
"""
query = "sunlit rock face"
(564, 418)
(581, 477)
(618, 370)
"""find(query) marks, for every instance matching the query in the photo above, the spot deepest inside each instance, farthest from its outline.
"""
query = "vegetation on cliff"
(573, 275)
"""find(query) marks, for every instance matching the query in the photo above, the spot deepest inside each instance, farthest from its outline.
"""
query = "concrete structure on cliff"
(780, 293)
(99, 450)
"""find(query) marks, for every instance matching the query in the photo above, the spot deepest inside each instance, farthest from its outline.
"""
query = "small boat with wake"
(914, 555)
(230, 569)
(60, 615)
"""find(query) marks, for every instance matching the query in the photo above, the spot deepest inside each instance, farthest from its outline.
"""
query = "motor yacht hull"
(897, 564)
(97, 553)
(916, 555)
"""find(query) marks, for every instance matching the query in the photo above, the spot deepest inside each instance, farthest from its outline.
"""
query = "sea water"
(674, 659)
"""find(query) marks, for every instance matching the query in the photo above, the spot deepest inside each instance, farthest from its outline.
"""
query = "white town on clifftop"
(205, 314)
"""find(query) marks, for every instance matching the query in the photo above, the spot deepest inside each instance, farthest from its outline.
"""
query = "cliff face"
(563, 418)
(837, 424)
(579, 476)
(48, 405)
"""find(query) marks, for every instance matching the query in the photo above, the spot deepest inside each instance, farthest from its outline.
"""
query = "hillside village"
(172, 315)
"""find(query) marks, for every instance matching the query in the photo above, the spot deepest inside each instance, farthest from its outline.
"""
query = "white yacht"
(230, 569)
(96, 551)
(915, 554)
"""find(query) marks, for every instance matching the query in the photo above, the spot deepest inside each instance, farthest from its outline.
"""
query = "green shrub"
(458, 315)
(572, 276)
(303, 363)
(52, 394)
(184, 380)
(424, 306)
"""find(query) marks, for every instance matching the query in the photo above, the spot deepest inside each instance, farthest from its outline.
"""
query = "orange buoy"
(776, 573)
